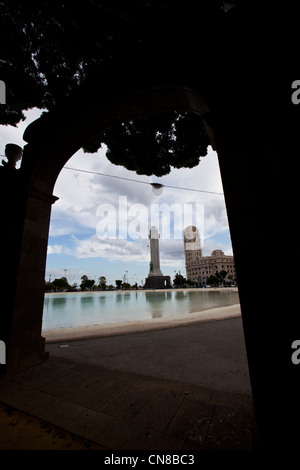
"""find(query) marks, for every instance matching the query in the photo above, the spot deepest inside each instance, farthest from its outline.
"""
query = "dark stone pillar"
(256, 130)
(24, 245)
(259, 186)
(12, 214)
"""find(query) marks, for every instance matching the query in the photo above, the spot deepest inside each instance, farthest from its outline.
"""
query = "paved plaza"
(184, 388)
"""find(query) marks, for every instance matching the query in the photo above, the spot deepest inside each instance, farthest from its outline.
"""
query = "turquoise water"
(99, 308)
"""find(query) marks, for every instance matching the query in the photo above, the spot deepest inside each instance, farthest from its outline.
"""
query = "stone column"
(261, 199)
(26, 343)
(154, 252)
(24, 241)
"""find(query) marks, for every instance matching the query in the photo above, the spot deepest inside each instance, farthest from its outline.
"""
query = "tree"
(60, 284)
(46, 53)
(86, 283)
(217, 278)
(151, 145)
(126, 285)
(212, 280)
(74, 287)
(52, 48)
(179, 280)
(221, 276)
(118, 283)
(102, 282)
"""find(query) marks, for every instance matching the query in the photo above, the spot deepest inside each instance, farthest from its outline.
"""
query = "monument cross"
(156, 279)
(154, 253)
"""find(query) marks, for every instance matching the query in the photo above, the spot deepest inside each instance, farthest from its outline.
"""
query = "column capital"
(37, 194)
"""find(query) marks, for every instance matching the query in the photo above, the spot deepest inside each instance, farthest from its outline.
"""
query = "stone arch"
(64, 131)
(52, 140)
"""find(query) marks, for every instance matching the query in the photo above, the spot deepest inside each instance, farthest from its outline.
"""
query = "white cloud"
(83, 195)
(92, 205)
(54, 249)
(112, 250)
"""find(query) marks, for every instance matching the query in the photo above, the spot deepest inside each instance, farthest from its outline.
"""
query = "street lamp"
(157, 188)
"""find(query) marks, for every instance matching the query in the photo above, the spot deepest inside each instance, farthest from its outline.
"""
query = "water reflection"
(56, 304)
(102, 299)
(155, 302)
(59, 303)
(87, 301)
(79, 309)
(123, 297)
(181, 295)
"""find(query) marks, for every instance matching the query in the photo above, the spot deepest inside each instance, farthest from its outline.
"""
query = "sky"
(100, 224)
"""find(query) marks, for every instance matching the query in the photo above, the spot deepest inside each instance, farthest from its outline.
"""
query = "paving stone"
(90, 424)
(131, 401)
(121, 435)
(158, 410)
(192, 421)
(228, 430)
(123, 410)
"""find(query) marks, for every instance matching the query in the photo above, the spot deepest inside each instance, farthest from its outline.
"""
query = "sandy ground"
(94, 331)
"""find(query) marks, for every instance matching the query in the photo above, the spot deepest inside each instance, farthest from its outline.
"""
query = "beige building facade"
(199, 268)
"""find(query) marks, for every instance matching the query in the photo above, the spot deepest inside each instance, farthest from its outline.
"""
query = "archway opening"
(119, 210)
(121, 353)
(42, 177)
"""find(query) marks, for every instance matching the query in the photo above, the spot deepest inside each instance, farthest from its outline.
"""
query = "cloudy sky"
(99, 225)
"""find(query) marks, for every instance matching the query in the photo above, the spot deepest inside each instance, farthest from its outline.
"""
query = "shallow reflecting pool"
(98, 308)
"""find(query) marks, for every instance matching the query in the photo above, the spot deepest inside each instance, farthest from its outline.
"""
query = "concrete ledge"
(113, 329)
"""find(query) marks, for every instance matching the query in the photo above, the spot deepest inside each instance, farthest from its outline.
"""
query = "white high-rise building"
(199, 268)
(192, 241)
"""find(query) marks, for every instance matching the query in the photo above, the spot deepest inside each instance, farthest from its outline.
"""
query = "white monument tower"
(155, 279)
(154, 253)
